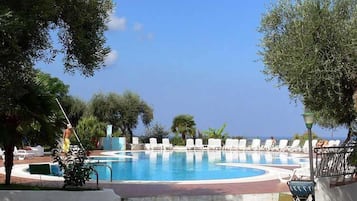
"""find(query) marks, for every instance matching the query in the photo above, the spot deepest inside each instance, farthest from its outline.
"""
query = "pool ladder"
(105, 165)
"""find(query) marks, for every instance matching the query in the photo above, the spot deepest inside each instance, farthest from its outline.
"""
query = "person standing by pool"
(66, 138)
(273, 141)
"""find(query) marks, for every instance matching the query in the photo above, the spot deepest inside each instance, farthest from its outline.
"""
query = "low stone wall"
(54, 195)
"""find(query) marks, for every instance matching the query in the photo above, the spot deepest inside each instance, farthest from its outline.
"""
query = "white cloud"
(138, 26)
(111, 58)
(116, 23)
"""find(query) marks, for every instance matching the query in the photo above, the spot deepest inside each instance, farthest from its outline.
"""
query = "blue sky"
(194, 57)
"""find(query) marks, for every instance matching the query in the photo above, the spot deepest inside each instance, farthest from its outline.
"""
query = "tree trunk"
(349, 136)
(9, 162)
(184, 136)
(130, 135)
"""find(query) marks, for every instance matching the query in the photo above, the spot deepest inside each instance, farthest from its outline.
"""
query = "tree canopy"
(122, 111)
(26, 27)
(89, 131)
(185, 125)
(310, 46)
(217, 133)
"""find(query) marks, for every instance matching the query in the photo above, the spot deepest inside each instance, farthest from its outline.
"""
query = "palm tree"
(185, 125)
(216, 133)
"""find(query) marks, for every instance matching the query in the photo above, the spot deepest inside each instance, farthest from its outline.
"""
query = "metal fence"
(335, 161)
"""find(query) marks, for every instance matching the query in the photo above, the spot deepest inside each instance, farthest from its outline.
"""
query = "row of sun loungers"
(237, 144)
(153, 145)
(28, 153)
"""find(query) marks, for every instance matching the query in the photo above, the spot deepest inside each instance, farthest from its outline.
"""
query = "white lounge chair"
(295, 146)
(166, 144)
(135, 140)
(214, 143)
(154, 144)
(218, 143)
(189, 144)
(255, 144)
(198, 143)
(267, 145)
(38, 150)
(301, 173)
(135, 144)
(235, 144)
(305, 147)
(337, 143)
(242, 144)
(211, 143)
(21, 154)
(333, 143)
(282, 146)
(229, 144)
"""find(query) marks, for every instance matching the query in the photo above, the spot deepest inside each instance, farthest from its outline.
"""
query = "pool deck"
(152, 189)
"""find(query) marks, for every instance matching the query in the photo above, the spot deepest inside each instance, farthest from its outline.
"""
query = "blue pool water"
(184, 166)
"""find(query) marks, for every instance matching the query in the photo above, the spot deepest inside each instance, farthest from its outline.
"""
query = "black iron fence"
(335, 161)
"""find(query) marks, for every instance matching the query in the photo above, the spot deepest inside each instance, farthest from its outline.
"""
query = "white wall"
(324, 192)
(53, 195)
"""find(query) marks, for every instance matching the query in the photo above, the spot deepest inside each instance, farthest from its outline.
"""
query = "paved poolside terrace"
(268, 184)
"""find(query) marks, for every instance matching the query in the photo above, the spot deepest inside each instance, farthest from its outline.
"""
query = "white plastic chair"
(268, 145)
(297, 173)
(242, 144)
(295, 146)
(229, 144)
(218, 143)
(198, 143)
(235, 144)
(135, 140)
(189, 144)
(283, 143)
(166, 144)
(255, 144)
(38, 150)
(21, 154)
(154, 144)
(211, 143)
(305, 147)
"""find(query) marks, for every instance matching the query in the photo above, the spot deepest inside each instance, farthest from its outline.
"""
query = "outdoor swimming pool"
(185, 165)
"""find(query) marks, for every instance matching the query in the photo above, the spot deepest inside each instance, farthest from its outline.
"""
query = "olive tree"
(310, 46)
(121, 111)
